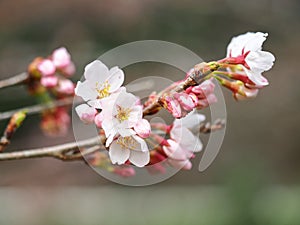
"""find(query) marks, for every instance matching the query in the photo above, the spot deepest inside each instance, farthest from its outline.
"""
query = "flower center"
(102, 89)
(127, 143)
(122, 113)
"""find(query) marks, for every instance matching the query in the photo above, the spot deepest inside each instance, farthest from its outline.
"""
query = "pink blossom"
(49, 81)
(68, 70)
(46, 67)
(187, 102)
(65, 87)
(98, 120)
(61, 57)
(173, 106)
(124, 171)
(86, 113)
(142, 128)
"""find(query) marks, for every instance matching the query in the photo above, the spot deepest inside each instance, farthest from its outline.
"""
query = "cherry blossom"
(122, 115)
(246, 49)
(184, 140)
(132, 148)
(100, 83)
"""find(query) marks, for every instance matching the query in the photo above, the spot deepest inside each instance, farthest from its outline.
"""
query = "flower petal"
(143, 128)
(143, 145)
(139, 158)
(118, 154)
(115, 79)
(260, 61)
(86, 113)
(84, 90)
(96, 71)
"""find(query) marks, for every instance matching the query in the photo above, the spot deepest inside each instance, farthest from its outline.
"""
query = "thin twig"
(40, 107)
(63, 152)
(14, 80)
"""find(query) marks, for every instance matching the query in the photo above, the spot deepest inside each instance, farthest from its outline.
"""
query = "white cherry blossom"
(246, 49)
(132, 148)
(100, 82)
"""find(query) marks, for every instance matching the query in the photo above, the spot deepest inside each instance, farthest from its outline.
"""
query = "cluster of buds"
(52, 73)
(196, 97)
(132, 140)
(48, 81)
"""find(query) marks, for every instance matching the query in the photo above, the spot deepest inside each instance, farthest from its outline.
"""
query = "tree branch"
(64, 152)
(14, 80)
(201, 70)
(39, 107)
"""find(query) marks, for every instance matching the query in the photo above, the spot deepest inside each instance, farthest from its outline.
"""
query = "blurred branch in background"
(40, 107)
(14, 80)
(70, 152)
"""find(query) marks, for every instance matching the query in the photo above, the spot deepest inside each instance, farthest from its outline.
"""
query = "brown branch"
(66, 152)
(12, 81)
(39, 107)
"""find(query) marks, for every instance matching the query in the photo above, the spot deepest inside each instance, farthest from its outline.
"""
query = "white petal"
(97, 103)
(126, 100)
(86, 113)
(126, 132)
(260, 61)
(139, 159)
(84, 90)
(257, 78)
(117, 154)
(143, 145)
(115, 79)
(191, 121)
(96, 71)
(255, 41)
(174, 151)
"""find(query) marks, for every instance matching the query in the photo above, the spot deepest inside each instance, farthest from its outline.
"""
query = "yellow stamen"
(102, 89)
(127, 143)
(123, 113)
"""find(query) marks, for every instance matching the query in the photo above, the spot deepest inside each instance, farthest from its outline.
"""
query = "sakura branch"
(128, 138)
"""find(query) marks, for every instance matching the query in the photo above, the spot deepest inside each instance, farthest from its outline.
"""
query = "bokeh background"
(254, 179)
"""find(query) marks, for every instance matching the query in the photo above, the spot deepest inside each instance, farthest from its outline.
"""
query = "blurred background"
(255, 177)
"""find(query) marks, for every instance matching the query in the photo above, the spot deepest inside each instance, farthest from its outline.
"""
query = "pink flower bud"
(66, 87)
(86, 113)
(143, 128)
(61, 57)
(98, 120)
(186, 101)
(49, 81)
(124, 171)
(180, 164)
(249, 93)
(68, 70)
(46, 67)
(173, 107)
(204, 89)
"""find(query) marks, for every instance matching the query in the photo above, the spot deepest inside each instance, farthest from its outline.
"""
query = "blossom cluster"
(131, 140)
(48, 81)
